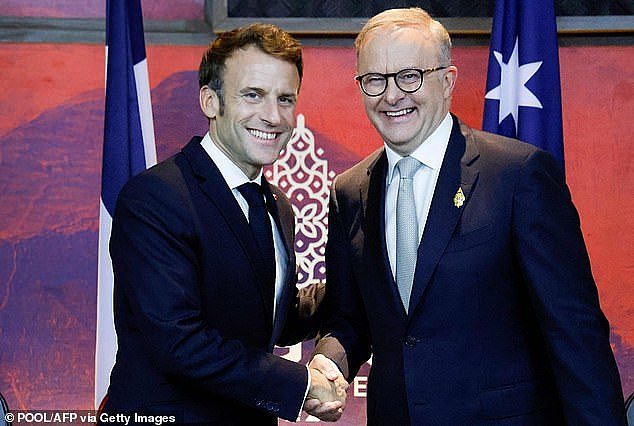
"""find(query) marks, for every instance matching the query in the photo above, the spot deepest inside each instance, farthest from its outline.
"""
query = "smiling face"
(260, 93)
(405, 120)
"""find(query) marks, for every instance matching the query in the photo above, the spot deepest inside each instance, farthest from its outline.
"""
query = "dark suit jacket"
(504, 324)
(194, 322)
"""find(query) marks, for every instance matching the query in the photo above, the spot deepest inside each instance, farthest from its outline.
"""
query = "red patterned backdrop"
(51, 126)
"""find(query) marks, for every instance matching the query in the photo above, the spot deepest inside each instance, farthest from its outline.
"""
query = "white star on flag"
(512, 91)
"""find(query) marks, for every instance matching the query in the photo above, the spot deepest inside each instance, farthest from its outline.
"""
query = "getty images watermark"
(79, 417)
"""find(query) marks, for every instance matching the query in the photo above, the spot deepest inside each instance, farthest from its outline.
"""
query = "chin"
(397, 131)
(399, 139)
(265, 160)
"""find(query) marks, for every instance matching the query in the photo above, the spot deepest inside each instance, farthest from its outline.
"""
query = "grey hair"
(413, 17)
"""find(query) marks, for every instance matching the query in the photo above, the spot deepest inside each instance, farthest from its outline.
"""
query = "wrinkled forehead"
(387, 28)
(254, 68)
(390, 49)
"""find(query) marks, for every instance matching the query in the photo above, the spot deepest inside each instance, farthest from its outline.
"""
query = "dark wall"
(437, 8)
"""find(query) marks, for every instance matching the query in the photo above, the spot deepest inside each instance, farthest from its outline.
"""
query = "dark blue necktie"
(261, 226)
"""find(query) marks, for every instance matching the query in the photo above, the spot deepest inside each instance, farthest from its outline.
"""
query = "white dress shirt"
(430, 153)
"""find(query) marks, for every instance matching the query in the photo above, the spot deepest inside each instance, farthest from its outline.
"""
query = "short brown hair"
(270, 39)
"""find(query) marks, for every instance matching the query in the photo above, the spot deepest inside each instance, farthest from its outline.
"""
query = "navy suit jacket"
(194, 321)
(504, 324)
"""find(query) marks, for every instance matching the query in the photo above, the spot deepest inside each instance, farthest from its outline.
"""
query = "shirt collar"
(229, 170)
(431, 152)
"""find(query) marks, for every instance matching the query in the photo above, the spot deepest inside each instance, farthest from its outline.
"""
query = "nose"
(392, 93)
(270, 113)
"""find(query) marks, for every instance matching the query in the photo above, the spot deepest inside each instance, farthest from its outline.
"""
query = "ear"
(209, 102)
(449, 81)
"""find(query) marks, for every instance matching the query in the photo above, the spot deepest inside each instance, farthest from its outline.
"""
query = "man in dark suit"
(489, 314)
(202, 250)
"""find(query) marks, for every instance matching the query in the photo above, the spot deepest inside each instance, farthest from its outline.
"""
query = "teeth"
(262, 135)
(399, 113)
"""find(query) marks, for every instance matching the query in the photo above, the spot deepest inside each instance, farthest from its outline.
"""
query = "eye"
(374, 80)
(252, 96)
(408, 76)
(287, 100)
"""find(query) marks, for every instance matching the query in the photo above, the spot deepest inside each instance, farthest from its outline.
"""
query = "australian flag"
(523, 93)
(128, 148)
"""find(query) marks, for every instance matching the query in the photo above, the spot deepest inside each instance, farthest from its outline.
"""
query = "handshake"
(326, 397)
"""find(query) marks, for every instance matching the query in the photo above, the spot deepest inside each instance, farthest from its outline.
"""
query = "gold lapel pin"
(458, 199)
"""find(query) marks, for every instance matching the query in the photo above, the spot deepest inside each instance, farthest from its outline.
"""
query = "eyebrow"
(263, 92)
(257, 90)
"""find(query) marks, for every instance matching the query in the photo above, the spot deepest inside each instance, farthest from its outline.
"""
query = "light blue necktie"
(406, 228)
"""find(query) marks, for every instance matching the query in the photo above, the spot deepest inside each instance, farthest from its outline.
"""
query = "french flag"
(128, 148)
(523, 92)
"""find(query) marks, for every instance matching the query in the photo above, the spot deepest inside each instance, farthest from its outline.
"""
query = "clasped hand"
(326, 397)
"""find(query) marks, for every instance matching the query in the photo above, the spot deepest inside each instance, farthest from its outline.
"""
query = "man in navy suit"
(202, 251)
(495, 318)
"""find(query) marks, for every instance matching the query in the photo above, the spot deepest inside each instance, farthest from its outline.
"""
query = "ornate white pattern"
(302, 173)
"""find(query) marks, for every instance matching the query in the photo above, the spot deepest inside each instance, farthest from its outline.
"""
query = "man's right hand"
(326, 398)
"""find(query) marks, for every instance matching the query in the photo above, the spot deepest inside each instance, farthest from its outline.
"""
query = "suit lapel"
(283, 215)
(456, 172)
(373, 204)
(215, 188)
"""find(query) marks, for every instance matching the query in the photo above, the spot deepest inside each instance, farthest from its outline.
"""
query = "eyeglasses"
(408, 80)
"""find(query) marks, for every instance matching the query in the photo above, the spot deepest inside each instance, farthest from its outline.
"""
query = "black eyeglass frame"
(422, 73)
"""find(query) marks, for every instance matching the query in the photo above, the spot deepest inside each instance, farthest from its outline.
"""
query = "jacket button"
(410, 341)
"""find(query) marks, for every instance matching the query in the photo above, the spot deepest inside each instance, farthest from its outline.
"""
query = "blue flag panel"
(523, 92)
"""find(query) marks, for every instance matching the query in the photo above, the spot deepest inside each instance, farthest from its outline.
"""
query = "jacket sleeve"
(345, 335)
(556, 268)
(154, 249)
(303, 318)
